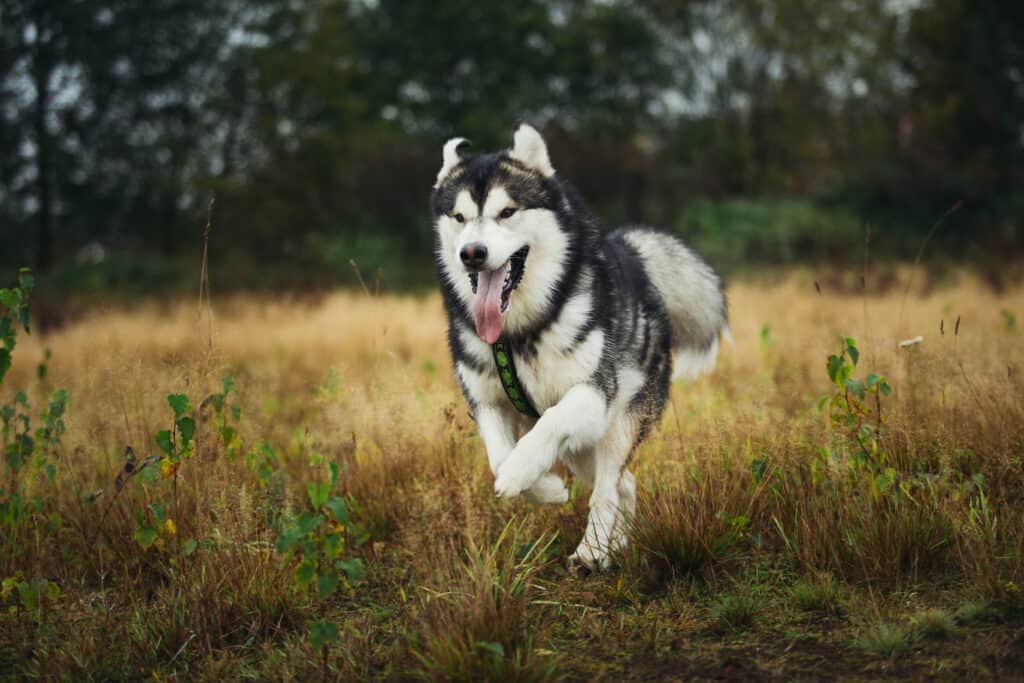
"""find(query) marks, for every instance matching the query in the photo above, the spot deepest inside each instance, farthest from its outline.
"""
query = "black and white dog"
(564, 338)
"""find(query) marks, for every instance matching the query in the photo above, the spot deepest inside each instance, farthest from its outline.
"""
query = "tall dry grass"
(744, 471)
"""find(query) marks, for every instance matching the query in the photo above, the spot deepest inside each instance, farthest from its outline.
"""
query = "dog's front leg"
(499, 440)
(497, 434)
(577, 421)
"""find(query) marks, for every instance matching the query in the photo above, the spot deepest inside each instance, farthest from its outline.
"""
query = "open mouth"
(493, 292)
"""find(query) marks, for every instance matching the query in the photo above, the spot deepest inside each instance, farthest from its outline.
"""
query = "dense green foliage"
(767, 131)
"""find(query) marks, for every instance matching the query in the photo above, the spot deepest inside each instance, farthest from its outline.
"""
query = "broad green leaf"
(326, 584)
(332, 471)
(186, 428)
(339, 510)
(353, 568)
(288, 539)
(228, 385)
(304, 573)
(885, 388)
(856, 386)
(834, 363)
(10, 298)
(308, 521)
(317, 493)
(333, 544)
(157, 510)
(145, 535)
(179, 404)
(189, 546)
(851, 348)
(163, 441)
(871, 380)
(322, 633)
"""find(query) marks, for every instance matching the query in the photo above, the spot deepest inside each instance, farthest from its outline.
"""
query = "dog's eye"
(459, 218)
(507, 212)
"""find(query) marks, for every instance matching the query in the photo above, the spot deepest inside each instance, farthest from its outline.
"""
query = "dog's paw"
(588, 559)
(548, 490)
(518, 473)
(507, 485)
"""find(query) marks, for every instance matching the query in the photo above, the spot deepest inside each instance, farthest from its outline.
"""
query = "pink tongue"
(487, 304)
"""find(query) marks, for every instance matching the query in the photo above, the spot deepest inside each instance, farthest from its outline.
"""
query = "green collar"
(509, 379)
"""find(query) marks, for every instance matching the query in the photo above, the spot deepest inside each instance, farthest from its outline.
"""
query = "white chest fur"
(557, 365)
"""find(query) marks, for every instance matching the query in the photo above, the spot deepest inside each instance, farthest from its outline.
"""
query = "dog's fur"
(594, 320)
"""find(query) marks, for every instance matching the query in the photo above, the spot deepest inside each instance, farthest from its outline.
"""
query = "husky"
(563, 338)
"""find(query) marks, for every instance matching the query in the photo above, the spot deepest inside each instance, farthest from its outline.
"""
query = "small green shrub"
(734, 612)
(884, 638)
(30, 453)
(974, 611)
(819, 594)
(935, 624)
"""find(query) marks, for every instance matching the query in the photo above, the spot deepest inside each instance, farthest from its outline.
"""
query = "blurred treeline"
(764, 131)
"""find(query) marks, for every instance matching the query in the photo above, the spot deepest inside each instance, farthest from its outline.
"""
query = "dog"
(564, 339)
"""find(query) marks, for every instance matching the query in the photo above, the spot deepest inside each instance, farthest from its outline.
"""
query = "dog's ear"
(528, 147)
(451, 155)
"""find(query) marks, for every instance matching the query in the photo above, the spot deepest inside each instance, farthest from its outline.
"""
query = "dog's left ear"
(451, 157)
(529, 148)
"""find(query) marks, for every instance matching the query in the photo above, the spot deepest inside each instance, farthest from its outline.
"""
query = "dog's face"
(495, 215)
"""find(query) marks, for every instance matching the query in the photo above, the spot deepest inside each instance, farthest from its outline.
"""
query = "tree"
(101, 95)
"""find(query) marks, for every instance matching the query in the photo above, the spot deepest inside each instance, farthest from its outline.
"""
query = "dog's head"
(500, 239)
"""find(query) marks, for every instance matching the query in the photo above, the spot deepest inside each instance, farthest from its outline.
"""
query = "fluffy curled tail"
(692, 292)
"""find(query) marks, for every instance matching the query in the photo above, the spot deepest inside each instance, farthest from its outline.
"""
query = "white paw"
(548, 490)
(590, 558)
(519, 472)
(507, 484)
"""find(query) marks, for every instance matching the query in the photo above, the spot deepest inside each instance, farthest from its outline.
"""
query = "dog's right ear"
(451, 155)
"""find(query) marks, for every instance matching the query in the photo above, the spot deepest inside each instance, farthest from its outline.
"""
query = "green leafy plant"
(30, 453)
(176, 446)
(14, 300)
(848, 402)
(226, 416)
(28, 596)
(315, 542)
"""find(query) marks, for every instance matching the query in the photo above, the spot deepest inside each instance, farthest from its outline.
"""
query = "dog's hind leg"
(613, 500)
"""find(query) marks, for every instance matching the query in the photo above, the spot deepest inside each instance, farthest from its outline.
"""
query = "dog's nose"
(474, 255)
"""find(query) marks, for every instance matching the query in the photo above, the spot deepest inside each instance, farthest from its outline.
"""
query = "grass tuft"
(474, 627)
(818, 594)
(935, 624)
(974, 611)
(734, 612)
(884, 638)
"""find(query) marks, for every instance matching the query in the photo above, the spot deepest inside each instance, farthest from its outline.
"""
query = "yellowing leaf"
(168, 467)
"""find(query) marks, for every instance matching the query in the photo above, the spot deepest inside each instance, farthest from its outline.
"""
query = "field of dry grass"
(766, 544)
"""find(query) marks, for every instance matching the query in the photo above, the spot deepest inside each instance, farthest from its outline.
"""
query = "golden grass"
(366, 382)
